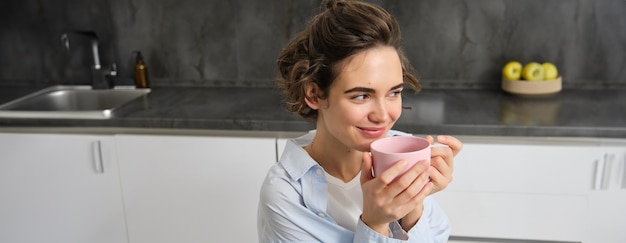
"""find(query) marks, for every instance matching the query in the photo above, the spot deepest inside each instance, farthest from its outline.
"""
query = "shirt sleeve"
(433, 226)
(364, 233)
(420, 233)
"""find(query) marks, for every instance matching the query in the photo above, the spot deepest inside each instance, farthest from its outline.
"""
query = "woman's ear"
(312, 93)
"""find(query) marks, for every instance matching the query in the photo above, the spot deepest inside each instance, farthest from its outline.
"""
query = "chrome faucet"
(101, 78)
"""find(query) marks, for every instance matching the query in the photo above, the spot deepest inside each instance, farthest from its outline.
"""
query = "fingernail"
(404, 162)
(441, 138)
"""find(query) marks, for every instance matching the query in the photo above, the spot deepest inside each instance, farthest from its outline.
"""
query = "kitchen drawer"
(538, 217)
(526, 168)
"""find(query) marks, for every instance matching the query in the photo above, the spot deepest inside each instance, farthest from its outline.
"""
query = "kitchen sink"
(75, 101)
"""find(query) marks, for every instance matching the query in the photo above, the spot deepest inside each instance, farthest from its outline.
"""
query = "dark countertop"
(571, 113)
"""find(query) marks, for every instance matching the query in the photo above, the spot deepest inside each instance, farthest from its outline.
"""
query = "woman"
(346, 72)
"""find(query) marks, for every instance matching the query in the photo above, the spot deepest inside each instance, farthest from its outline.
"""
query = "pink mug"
(387, 151)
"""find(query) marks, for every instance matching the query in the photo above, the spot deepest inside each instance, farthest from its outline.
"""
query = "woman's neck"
(336, 158)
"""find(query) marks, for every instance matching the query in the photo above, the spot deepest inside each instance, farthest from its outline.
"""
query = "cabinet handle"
(608, 169)
(624, 175)
(597, 185)
(97, 157)
(622, 163)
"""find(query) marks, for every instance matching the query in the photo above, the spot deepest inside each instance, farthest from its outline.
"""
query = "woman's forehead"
(373, 67)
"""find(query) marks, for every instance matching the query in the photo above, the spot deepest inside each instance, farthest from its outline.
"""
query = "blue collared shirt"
(293, 199)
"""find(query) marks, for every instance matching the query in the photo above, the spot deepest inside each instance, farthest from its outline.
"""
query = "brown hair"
(342, 29)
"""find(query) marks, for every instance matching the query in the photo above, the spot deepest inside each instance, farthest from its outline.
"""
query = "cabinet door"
(515, 216)
(608, 199)
(525, 189)
(531, 166)
(59, 188)
(193, 189)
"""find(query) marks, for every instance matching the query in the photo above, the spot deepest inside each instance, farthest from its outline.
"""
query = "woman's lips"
(372, 132)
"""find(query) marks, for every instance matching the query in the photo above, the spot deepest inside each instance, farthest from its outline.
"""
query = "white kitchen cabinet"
(528, 166)
(607, 201)
(525, 189)
(59, 188)
(192, 188)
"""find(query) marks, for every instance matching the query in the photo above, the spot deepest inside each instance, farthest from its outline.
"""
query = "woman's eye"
(360, 97)
(396, 93)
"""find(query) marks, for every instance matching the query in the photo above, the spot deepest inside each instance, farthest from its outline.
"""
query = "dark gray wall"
(451, 43)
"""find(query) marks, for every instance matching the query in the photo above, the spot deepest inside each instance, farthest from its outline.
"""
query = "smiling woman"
(363, 102)
(346, 72)
(315, 55)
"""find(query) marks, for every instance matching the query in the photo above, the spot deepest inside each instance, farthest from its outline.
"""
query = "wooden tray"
(532, 88)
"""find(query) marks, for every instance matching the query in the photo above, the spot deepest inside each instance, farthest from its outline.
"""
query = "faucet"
(101, 78)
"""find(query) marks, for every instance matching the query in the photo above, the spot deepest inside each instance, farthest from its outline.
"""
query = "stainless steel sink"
(71, 102)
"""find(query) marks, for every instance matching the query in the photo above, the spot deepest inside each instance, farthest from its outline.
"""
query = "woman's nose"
(379, 111)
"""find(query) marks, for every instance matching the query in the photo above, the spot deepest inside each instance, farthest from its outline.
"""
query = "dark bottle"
(141, 72)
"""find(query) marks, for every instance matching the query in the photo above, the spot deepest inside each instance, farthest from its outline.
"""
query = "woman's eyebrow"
(397, 86)
(359, 89)
(369, 90)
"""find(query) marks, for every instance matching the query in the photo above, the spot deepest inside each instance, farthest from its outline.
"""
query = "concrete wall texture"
(451, 43)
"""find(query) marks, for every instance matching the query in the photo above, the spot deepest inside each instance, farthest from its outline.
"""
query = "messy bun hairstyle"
(343, 28)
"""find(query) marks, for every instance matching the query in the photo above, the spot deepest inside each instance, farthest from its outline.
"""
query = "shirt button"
(321, 214)
(318, 171)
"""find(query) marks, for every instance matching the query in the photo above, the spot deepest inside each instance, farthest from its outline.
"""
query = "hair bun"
(330, 4)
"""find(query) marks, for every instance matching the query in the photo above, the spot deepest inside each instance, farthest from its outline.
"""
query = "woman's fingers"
(381, 181)
(394, 171)
(394, 180)
(442, 161)
(409, 186)
(366, 168)
(402, 181)
(452, 142)
(442, 157)
(430, 139)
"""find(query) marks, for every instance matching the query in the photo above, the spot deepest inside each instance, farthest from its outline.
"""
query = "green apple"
(550, 71)
(533, 71)
(512, 70)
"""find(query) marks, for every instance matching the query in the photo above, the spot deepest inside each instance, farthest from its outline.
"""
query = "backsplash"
(451, 43)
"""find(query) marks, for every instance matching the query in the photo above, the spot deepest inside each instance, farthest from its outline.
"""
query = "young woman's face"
(365, 100)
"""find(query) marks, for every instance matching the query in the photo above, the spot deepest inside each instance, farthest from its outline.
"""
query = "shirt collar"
(295, 159)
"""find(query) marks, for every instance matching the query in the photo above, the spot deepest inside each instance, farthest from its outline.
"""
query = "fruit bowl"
(532, 88)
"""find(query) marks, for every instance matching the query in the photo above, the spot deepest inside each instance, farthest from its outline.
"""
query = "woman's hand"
(441, 165)
(386, 200)
(442, 161)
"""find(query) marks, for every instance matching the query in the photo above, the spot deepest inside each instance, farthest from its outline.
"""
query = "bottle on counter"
(141, 72)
